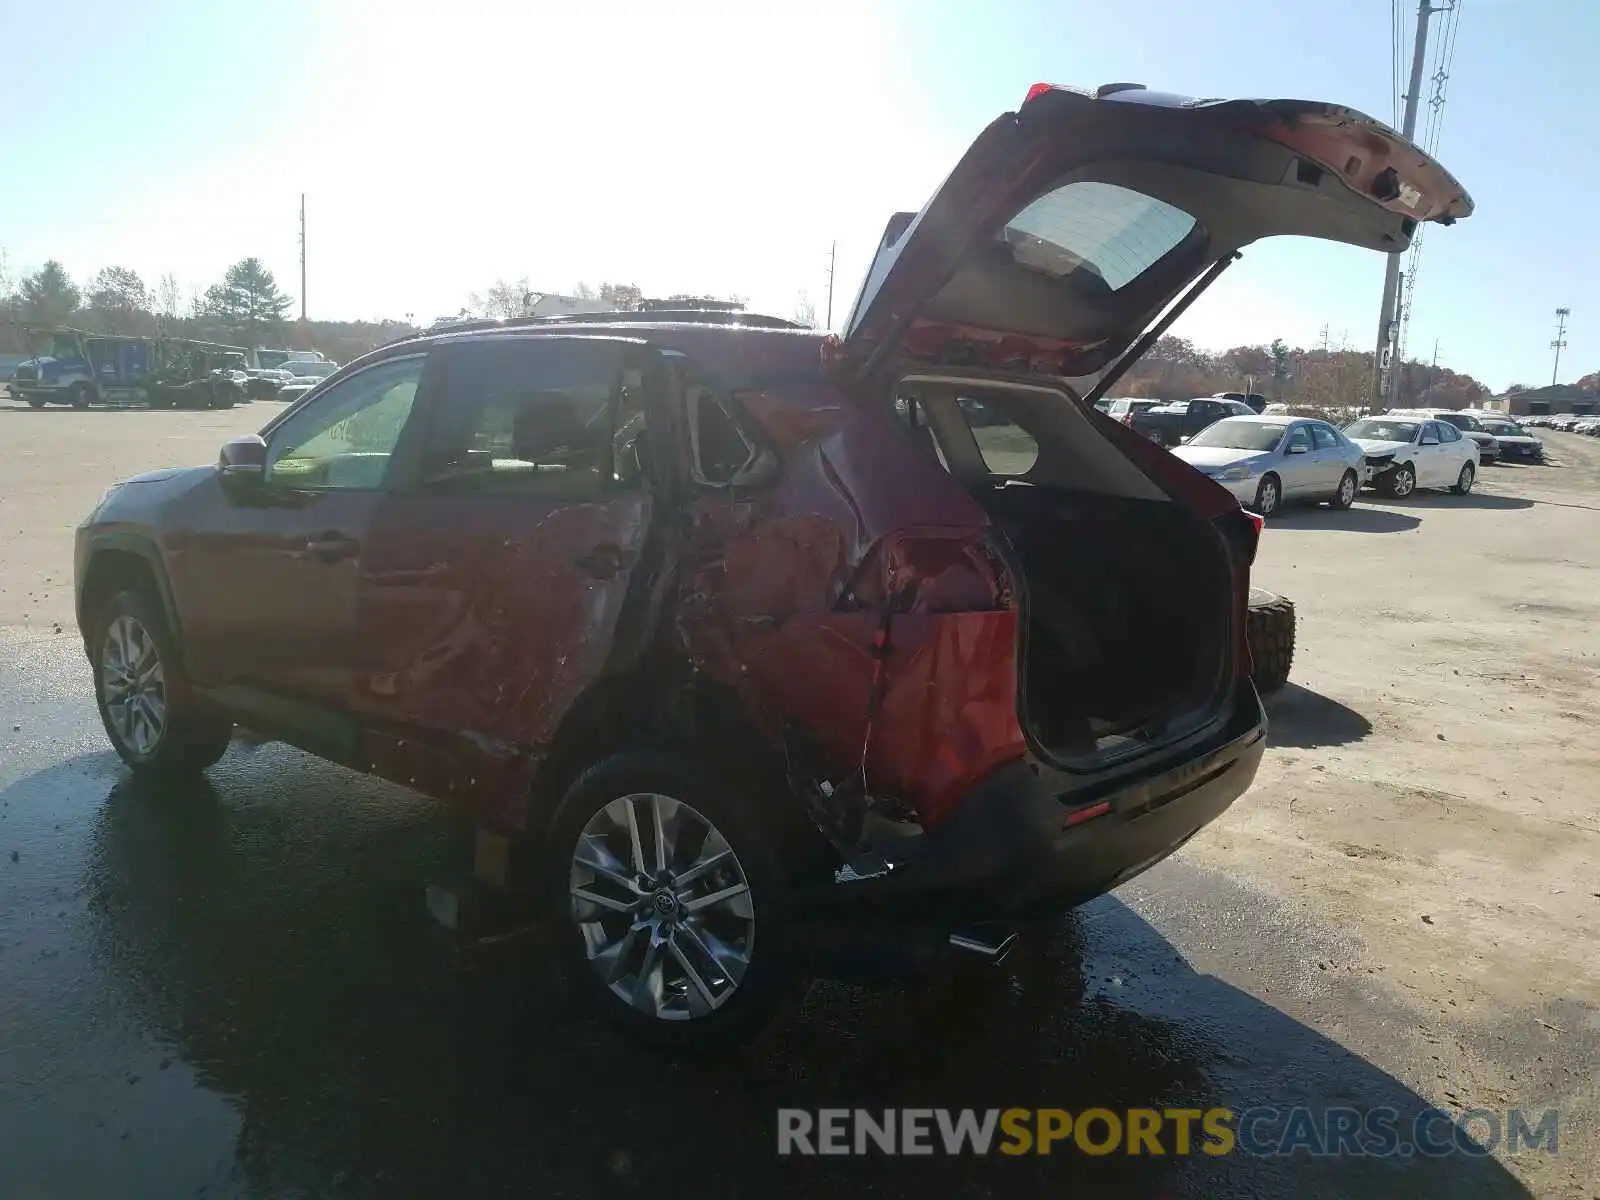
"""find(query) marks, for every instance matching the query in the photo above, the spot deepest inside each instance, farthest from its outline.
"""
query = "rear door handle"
(332, 547)
(603, 561)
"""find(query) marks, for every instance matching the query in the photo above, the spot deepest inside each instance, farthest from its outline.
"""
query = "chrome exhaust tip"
(991, 945)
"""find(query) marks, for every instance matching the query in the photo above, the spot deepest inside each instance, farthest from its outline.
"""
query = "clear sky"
(721, 147)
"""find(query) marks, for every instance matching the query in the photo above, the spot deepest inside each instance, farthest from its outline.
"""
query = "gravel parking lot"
(1405, 905)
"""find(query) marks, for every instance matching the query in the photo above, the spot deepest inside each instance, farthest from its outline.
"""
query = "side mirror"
(242, 465)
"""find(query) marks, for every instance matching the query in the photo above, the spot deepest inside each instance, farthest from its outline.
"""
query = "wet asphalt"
(233, 989)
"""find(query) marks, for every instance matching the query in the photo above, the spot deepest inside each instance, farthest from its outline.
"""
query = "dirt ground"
(1434, 777)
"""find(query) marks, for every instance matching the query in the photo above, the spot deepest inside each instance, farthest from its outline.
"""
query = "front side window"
(1097, 233)
(526, 417)
(345, 438)
(1430, 434)
(1448, 432)
(1299, 441)
(1324, 437)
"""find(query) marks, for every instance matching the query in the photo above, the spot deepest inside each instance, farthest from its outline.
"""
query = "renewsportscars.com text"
(1263, 1131)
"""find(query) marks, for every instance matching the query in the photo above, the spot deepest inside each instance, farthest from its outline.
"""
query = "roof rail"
(661, 316)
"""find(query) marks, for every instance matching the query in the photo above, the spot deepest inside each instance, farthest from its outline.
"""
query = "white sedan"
(1407, 453)
(1269, 461)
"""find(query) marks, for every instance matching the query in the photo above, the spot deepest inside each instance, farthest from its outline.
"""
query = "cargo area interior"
(1127, 594)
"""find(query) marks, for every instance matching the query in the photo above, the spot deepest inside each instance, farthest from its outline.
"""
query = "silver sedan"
(1269, 461)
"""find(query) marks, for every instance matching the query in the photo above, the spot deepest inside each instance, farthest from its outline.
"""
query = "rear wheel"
(1464, 481)
(1269, 495)
(1346, 495)
(669, 898)
(1271, 628)
(35, 402)
(154, 722)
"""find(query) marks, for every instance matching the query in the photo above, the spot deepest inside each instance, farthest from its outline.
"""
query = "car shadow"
(1305, 720)
(270, 932)
(1351, 520)
(1474, 499)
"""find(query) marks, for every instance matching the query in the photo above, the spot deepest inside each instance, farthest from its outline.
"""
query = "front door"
(1430, 456)
(1328, 455)
(269, 580)
(493, 586)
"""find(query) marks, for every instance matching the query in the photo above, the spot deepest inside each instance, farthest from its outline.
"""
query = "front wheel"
(35, 402)
(1402, 481)
(80, 395)
(155, 724)
(1464, 481)
(1346, 495)
(1269, 495)
(669, 903)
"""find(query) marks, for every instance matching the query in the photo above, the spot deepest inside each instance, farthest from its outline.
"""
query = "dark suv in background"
(752, 638)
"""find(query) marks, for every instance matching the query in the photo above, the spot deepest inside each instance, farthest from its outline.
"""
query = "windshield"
(312, 370)
(1377, 430)
(1504, 428)
(1237, 433)
(1462, 421)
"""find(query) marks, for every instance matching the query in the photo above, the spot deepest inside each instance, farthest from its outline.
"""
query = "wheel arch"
(117, 562)
(689, 716)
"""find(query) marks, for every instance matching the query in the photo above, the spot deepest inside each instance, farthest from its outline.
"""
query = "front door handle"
(332, 547)
(603, 561)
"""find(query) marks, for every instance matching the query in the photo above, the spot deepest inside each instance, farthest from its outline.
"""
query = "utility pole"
(1435, 354)
(833, 251)
(1391, 270)
(1324, 337)
(302, 256)
(1560, 341)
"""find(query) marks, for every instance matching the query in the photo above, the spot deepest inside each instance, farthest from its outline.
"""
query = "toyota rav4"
(749, 636)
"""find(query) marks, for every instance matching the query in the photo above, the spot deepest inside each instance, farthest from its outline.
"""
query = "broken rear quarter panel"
(769, 578)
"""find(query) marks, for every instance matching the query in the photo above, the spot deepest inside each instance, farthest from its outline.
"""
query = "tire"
(80, 395)
(1400, 482)
(1271, 629)
(700, 1006)
(1269, 495)
(35, 403)
(1464, 481)
(1349, 485)
(164, 731)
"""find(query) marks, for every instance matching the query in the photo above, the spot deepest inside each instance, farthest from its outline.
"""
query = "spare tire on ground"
(1271, 629)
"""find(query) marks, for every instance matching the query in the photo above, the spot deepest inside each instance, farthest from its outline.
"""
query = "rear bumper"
(1007, 853)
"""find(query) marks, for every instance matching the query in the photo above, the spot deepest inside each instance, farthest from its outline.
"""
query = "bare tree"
(501, 299)
(582, 291)
(168, 298)
(805, 310)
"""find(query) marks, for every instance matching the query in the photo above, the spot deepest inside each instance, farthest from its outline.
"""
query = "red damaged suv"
(756, 640)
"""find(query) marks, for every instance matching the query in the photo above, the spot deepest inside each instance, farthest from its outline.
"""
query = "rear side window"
(1095, 233)
(525, 418)
(1324, 437)
(720, 448)
(1007, 448)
